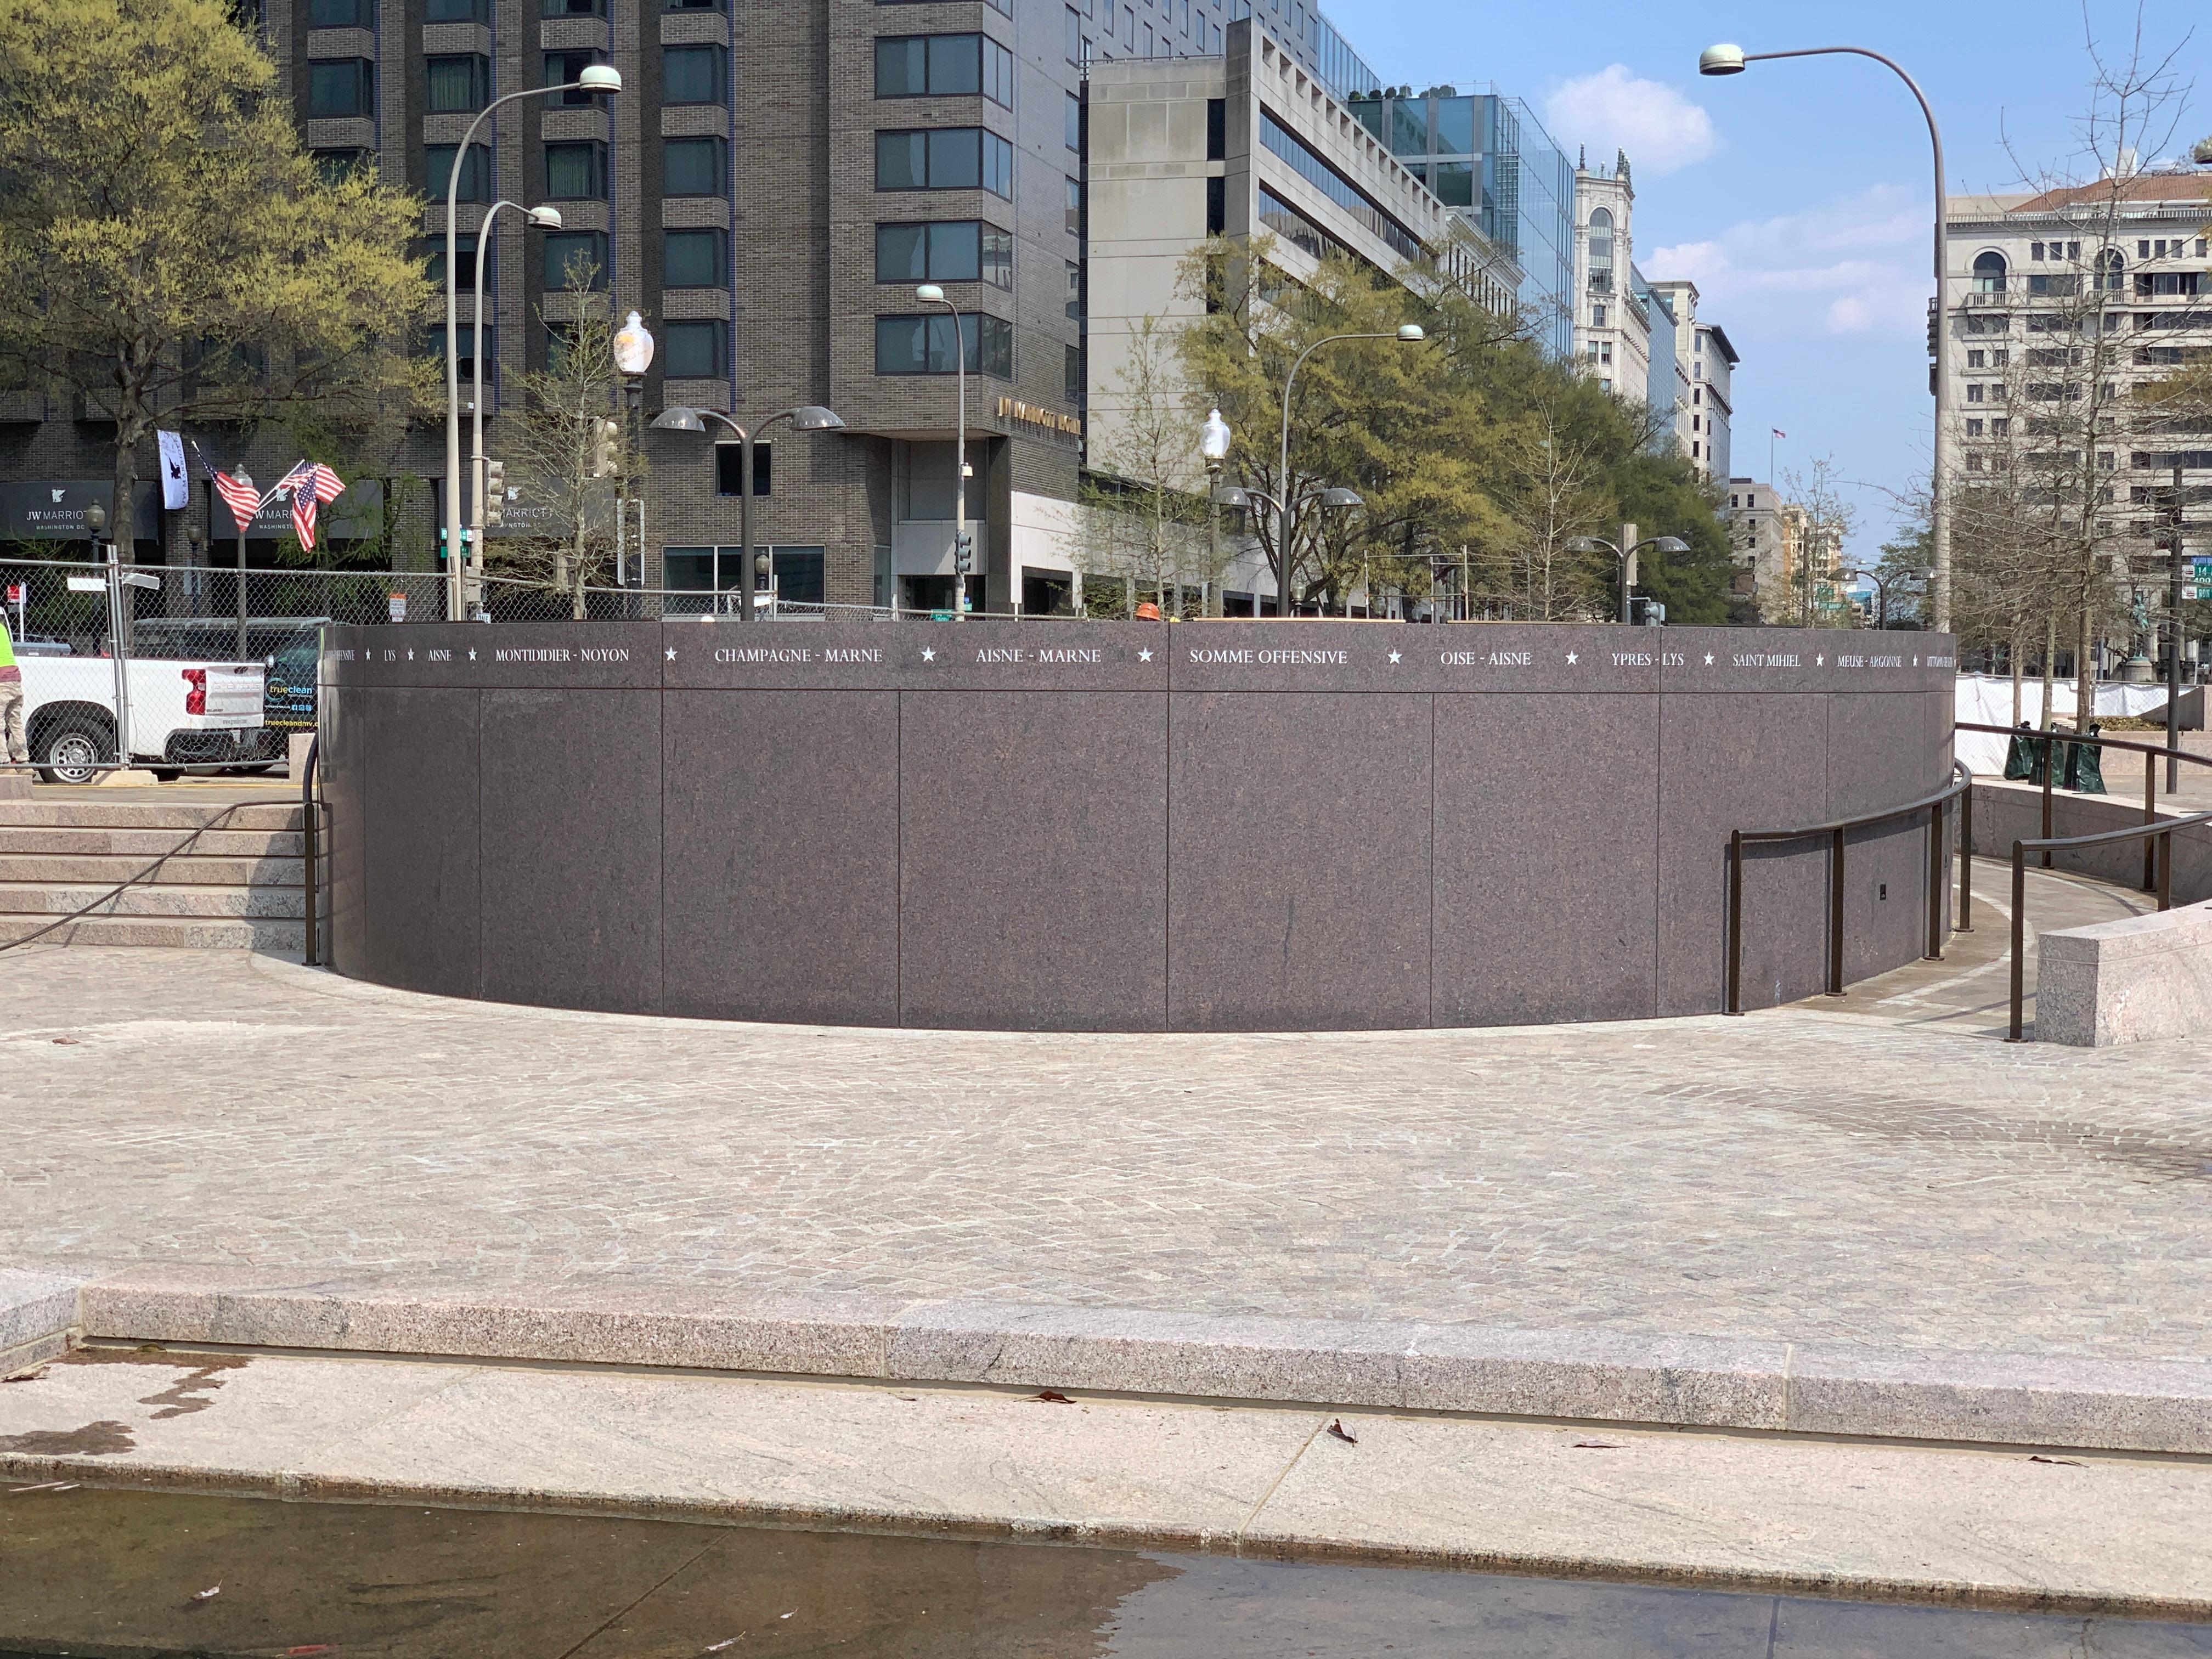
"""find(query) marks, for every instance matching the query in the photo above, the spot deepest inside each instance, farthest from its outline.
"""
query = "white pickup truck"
(181, 713)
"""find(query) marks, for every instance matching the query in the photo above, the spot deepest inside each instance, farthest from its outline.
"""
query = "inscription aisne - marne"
(1047, 653)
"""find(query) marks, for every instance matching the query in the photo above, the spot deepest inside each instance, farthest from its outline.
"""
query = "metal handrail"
(2151, 752)
(1961, 788)
(2157, 835)
(309, 833)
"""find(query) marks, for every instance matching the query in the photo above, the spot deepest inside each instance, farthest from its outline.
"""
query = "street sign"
(14, 592)
(397, 603)
(87, 584)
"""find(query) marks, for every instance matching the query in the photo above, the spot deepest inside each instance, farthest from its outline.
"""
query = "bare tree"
(1554, 498)
(1818, 520)
(1140, 518)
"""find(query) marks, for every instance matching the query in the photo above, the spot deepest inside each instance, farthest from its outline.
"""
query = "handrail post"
(1733, 1004)
(1835, 913)
(2050, 749)
(307, 836)
(1938, 908)
(2018, 936)
(2150, 812)
(2165, 869)
(1966, 858)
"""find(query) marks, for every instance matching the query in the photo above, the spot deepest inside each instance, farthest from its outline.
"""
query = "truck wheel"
(72, 749)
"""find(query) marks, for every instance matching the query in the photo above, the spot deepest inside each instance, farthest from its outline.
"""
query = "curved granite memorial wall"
(1117, 826)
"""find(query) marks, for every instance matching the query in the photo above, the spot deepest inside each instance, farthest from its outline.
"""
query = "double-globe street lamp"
(1729, 59)
(1626, 557)
(596, 78)
(1881, 586)
(806, 417)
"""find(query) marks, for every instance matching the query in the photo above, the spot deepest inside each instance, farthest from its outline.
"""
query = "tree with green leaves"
(178, 258)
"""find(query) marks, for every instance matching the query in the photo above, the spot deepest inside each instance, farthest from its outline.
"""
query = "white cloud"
(1853, 266)
(1661, 131)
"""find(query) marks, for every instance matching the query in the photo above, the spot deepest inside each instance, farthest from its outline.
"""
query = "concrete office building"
(2030, 277)
(1692, 377)
(1762, 540)
(768, 189)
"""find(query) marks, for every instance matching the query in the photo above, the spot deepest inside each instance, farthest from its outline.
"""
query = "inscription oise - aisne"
(1248, 654)
(772, 653)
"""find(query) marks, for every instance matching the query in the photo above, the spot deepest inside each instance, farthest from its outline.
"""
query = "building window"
(925, 345)
(1074, 133)
(338, 15)
(696, 258)
(730, 469)
(584, 253)
(1601, 251)
(1217, 129)
(334, 166)
(1074, 44)
(1605, 356)
(475, 185)
(459, 84)
(1973, 394)
(339, 87)
(698, 348)
(1216, 205)
(692, 5)
(693, 75)
(944, 158)
(1974, 428)
(576, 171)
(1072, 374)
(1597, 316)
(457, 11)
(694, 167)
(958, 250)
(943, 65)
(564, 67)
(465, 268)
(1977, 360)
(573, 8)
(1074, 210)
(1989, 273)
(1074, 291)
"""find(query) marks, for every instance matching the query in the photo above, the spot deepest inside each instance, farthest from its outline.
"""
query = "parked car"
(182, 714)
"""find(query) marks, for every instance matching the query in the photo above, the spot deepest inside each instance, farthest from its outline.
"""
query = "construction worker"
(11, 700)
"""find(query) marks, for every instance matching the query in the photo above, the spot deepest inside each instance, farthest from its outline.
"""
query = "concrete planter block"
(2133, 981)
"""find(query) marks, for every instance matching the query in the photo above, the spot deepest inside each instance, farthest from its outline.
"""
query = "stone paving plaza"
(1814, 1174)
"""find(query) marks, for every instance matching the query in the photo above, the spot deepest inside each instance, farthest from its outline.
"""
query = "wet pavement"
(101, 1574)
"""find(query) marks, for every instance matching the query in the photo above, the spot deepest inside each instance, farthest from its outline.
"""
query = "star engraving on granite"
(671, 654)
(1395, 656)
(1572, 658)
(1144, 655)
(928, 654)
(410, 653)
(1709, 659)
(472, 655)
(1915, 662)
(1820, 662)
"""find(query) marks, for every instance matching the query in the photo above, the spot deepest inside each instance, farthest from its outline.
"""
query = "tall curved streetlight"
(930, 293)
(597, 77)
(1287, 510)
(1730, 60)
(1626, 556)
(806, 417)
(540, 218)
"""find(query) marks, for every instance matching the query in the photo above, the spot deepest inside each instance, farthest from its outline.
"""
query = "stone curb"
(2149, 1406)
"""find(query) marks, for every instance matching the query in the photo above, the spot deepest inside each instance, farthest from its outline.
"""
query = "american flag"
(1779, 433)
(238, 493)
(311, 484)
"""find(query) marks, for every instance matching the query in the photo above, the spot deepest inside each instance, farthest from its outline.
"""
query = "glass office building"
(1489, 156)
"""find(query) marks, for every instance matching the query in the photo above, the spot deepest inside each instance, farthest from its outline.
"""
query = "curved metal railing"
(1961, 788)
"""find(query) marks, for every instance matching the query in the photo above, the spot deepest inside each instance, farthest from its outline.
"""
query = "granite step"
(96, 814)
(82, 840)
(188, 869)
(266, 933)
(151, 899)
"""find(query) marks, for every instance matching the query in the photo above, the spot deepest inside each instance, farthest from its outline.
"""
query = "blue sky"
(1798, 195)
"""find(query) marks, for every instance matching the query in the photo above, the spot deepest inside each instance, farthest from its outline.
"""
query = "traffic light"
(442, 547)
(963, 555)
(495, 492)
(605, 436)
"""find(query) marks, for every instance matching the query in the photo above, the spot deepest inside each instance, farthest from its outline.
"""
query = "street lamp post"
(633, 354)
(1213, 441)
(597, 77)
(544, 218)
(1287, 521)
(806, 417)
(1626, 556)
(1728, 59)
(1882, 587)
(930, 293)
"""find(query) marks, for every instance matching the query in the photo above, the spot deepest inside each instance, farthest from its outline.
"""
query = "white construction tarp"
(1986, 700)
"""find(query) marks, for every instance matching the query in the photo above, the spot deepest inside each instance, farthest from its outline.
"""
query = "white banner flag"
(176, 484)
